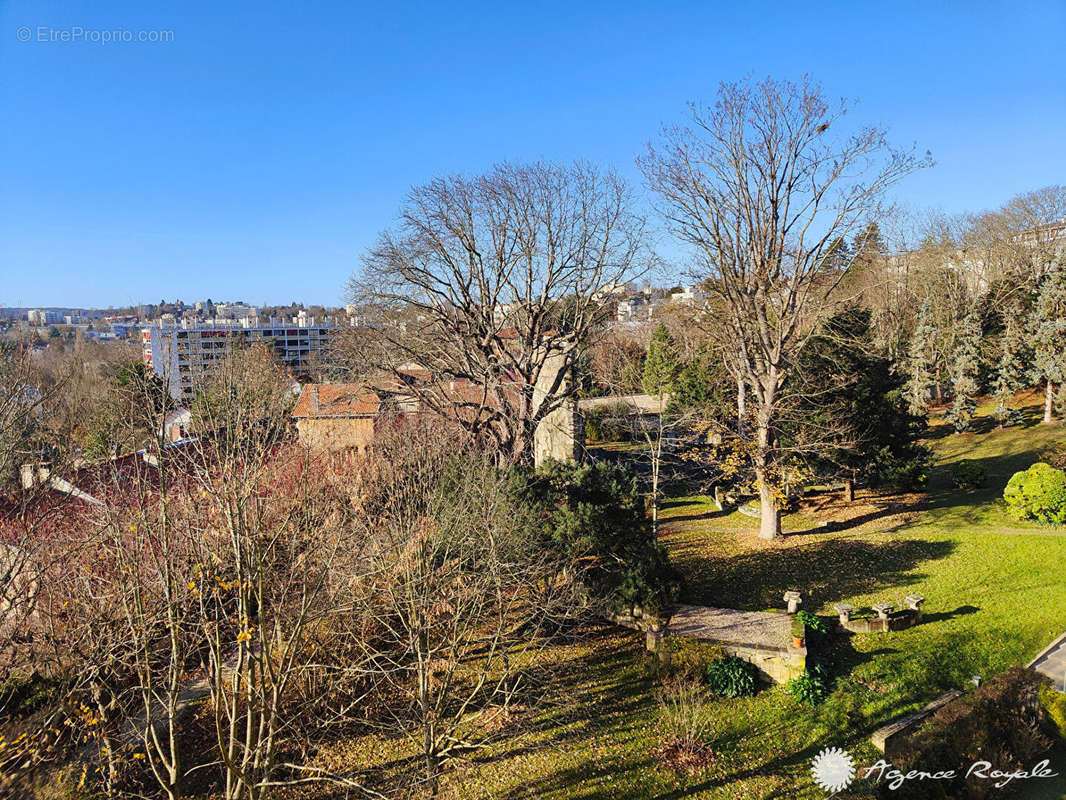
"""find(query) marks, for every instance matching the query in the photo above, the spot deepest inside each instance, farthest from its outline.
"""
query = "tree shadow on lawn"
(588, 695)
(825, 572)
(940, 616)
(1028, 416)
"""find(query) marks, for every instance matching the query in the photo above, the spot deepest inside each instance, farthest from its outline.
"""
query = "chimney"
(314, 398)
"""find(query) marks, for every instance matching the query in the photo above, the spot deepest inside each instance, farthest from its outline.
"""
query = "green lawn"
(995, 596)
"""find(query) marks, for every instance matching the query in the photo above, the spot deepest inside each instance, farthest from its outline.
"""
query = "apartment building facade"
(182, 354)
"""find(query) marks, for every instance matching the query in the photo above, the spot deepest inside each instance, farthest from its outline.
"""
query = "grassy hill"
(995, 592)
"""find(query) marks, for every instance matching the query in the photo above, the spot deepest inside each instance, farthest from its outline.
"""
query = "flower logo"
(833, 769)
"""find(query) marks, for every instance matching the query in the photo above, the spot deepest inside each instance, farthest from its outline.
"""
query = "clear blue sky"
(257, 155)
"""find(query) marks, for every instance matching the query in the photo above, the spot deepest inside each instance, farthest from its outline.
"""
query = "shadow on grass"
(940, 616)
(825, 572)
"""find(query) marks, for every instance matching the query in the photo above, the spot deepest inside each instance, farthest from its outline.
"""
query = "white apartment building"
(182, 353)
(38, 316)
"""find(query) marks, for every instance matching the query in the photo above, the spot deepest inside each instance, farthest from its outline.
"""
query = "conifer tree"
(920, 358)
(1012, 371)
(1048, 333)
(967, 357)
(662, 364)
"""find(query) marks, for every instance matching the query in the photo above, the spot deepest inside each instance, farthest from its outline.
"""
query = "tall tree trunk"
(740, 406)
(1049, 396)
(770, 527)
(770, 524)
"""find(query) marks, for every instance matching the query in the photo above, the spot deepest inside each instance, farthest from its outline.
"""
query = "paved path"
(1052, 663)
(758, 628)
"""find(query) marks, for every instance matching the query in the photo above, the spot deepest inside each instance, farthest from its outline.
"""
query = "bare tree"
(491, 284)
(465, 595)
(760, 186)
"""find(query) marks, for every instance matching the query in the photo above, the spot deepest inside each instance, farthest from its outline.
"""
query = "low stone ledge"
(886, 737)
(886, 620)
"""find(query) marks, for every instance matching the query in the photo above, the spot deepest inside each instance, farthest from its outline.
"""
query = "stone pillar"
(845, 611)
(914, 602)
(882, 609)
(560, 435)
(793, 599)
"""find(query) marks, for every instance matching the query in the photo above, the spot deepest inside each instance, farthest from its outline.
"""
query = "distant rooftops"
(336, 400)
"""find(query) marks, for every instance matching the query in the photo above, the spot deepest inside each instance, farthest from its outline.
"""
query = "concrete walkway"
(1052, 663)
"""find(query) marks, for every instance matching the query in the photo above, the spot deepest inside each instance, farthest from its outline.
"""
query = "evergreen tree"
(662, 365)
(837, 256)
(920, 358)
(1012, 371)
(964, 387)
(850, 416)
(1048, 333)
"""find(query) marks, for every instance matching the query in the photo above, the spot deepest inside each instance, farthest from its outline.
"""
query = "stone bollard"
(793, 599)
(882, 609)
(914, 602)
(845, 611)
(718, 499)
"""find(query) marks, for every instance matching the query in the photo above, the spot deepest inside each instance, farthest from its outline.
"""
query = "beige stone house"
(337, 416)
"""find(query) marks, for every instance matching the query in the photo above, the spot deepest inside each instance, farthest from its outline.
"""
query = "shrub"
(1037, 493)
(608, 424)
(593, 515)
(812, 622)
(999, 723)
(732, 677)
(810, 687)
(904, 473)
(968, 475)
(686, 724)
(1054, 704)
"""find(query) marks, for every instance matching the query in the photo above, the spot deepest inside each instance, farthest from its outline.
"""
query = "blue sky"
(258, 154)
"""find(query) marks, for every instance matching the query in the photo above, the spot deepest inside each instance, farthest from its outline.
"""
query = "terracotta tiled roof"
(336, 400)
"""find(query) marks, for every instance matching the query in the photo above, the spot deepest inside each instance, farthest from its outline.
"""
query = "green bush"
(593, 515)
(1037, 493)
(810, 687)
(1054, 704)
(732, 677)
(608, 424)
(904, 473)
(812, 622)
(968, 475)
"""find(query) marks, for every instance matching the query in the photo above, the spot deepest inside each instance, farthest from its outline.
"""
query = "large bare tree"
(494, 282)
(760, 185)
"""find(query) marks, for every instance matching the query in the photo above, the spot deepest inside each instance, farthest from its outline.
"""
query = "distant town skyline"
(256, 154)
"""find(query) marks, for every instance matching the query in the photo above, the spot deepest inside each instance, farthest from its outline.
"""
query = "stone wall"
(336, 433)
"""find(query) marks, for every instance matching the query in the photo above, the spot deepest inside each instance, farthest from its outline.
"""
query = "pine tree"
(1048, 333)
(662, 364)
(966, 358)
(920, 358)
(1012, 371)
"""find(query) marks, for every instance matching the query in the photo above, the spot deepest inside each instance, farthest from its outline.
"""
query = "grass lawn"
(995, 591)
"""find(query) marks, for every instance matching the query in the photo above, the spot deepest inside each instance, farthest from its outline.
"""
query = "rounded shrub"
(1037, 493)
(732, 677)
(968, 475)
